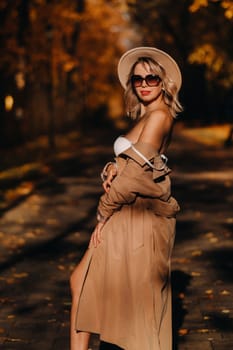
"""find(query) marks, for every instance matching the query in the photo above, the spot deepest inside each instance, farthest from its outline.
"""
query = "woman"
(121, 288)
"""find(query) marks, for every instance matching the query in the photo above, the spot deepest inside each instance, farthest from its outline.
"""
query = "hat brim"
(162, 58)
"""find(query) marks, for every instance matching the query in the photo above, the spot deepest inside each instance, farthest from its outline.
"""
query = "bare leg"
(78, 340)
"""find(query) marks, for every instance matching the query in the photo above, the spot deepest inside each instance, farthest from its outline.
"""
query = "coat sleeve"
(136, 178)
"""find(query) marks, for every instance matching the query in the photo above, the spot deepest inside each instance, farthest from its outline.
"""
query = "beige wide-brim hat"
(128, 59)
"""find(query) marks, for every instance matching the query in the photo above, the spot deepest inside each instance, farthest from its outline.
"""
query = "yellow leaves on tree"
(98, 44)
(216, 63)
(207, 54)
(227, 5)
(52, 27)
(197, 4)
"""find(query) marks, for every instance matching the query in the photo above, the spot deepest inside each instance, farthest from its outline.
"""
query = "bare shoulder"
(157, 127)
(159, 117)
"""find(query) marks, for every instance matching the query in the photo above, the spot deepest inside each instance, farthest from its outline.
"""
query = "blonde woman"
(121, 288)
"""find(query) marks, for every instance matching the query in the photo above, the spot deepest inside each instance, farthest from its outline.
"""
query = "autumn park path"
(45, 234)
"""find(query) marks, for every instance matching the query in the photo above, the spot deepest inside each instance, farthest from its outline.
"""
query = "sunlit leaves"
(11, 241)
(197, 4)
(21, 171)
(215, 61)
(227, 5)
(208, 55)
(19, 182)
(50, 25)
(100, 33)
(67, 46)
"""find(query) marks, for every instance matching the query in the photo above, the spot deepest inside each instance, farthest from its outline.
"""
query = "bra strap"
(163, 157)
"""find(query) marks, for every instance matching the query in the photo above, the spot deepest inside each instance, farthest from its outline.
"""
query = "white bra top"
(121, 144)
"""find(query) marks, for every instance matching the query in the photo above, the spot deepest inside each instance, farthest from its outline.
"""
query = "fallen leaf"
(30, 234)
(227, 234)
(195, 274)
(20, 275)
(11, 316)
(15, 340)
(229, 220)
(206, 317)
(225, 292)
(48, 298)
(213, 240)
(181, 296)
(183, 331)
(25, 188)
(225, 311)
(52, 221)
(67, 303)
(209, 291)
(13, 242)
(45, 169)
(52, 320)
(209, 234)
(197, 253)
(203, 330)
(10, 280)
(228, 184)
(211, 237)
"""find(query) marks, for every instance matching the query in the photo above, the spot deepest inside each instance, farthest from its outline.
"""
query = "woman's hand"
(96, 235)
(111, 173)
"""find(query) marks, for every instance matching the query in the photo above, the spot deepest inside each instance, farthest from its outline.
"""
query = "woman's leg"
(78, 340)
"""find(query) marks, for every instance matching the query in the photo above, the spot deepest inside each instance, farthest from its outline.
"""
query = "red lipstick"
(144, 92)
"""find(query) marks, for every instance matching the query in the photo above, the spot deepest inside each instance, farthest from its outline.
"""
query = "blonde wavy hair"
(170, 93)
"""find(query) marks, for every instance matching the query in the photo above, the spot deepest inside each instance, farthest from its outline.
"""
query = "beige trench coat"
(126, 294)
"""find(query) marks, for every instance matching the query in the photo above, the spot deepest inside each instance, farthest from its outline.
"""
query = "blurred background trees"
(58, 60)
(198, 34)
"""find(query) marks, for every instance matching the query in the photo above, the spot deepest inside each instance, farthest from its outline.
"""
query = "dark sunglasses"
(151, 80)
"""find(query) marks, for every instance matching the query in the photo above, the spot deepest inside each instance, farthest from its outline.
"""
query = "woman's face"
(147, 90)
